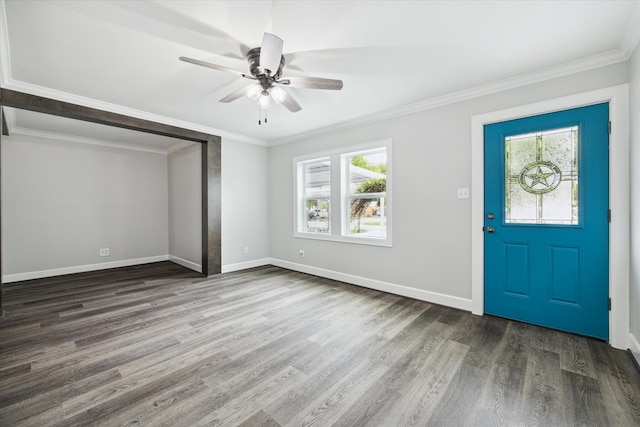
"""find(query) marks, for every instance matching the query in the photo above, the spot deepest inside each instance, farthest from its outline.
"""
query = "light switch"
(463, 193)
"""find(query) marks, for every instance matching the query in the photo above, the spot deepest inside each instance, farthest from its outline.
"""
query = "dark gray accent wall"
(211, 207)
(25, 101)
(3, 125)
(5, 129)
(211, 163)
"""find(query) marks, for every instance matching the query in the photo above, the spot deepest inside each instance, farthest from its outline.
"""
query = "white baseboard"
(245, 265)
(185, 263)
(634, 346)
(8, 278)
(428, 296)
(18, 277)
(392, 288)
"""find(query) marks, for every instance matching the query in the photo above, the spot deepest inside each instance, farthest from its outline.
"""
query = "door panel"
(517, 275)
(546, 220)
(565, 274)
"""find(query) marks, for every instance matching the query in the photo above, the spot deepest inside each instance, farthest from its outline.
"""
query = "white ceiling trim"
(10, 118)
(5, 53)
(90, 141)
(584, 64)
(179, 146)
(631, 36)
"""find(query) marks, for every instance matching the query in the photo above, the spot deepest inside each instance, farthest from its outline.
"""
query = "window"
(316, 197)
(345, 195)
(366, 193)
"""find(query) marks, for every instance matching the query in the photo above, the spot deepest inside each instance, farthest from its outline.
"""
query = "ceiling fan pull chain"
(259, 116)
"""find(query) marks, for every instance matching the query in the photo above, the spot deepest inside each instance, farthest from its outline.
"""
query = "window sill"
(368, 241)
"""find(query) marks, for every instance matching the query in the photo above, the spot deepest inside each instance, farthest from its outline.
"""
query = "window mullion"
(334, 214)
(367, 195)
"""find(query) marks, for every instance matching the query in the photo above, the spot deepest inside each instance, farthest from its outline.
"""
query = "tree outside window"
(367, 193)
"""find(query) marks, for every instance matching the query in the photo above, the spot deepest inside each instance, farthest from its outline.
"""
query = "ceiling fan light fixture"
(253, 91)
(264, 100)
(278, 94)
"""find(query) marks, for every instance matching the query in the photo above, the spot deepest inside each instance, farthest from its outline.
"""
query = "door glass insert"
(541, 177)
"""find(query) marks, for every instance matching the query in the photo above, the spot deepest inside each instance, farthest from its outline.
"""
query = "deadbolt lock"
(490, 216)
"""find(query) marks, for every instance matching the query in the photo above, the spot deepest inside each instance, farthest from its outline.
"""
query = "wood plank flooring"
(158, 345)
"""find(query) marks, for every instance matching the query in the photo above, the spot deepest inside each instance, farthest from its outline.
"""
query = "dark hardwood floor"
(158, 345)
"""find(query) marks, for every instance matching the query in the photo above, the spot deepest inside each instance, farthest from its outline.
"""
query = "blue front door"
(546, 242)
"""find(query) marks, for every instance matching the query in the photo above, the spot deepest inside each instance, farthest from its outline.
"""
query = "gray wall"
(634, 299)
(245, 201)
(185, 186)
(245, 204)
(431, 159)
(63, 201)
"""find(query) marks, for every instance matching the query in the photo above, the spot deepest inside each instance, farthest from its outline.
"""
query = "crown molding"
(631, 36)
(5, 52)
(568, 68)
(85, 140)
(179, 146)
(17, 130)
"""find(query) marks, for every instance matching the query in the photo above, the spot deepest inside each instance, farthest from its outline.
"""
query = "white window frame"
(302, 197)
(339, 212)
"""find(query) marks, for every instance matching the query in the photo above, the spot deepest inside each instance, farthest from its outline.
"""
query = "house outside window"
(314, 178)
(345, 195)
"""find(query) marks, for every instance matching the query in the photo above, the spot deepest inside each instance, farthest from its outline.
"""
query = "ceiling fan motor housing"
(254, 64)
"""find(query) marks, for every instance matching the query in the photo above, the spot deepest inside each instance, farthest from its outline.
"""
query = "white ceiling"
(393, 56)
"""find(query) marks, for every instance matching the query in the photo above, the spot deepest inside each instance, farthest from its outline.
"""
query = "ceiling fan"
(265, 68)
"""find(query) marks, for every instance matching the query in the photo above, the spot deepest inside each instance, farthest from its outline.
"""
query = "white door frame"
(618, 98)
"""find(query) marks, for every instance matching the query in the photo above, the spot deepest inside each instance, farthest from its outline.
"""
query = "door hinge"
(609, 304)
(609, 127)
(609, 216)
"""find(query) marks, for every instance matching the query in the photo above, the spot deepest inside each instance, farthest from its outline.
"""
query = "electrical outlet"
(246, 249)
(104, 252)
(301, 253)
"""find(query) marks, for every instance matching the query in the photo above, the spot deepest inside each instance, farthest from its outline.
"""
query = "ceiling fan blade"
(311, 83)
(291, 104)
(271, 53)
(234, 95)
(215, 67)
